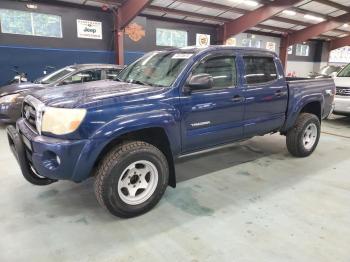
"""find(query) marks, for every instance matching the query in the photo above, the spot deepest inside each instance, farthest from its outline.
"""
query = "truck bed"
(310, 88)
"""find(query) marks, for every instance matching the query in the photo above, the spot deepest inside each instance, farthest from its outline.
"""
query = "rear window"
(259, 70)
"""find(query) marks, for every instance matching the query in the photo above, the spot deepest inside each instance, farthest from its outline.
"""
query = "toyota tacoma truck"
(127, 133)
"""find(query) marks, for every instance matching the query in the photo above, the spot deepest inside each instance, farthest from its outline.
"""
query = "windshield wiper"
(139, 82)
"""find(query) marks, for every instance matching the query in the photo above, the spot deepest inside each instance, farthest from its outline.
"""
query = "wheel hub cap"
(310, 136)
(138, 182)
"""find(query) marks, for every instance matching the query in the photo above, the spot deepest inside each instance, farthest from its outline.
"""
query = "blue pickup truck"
(127, 133)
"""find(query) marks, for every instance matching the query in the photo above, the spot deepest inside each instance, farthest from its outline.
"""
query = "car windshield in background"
(345, 72)
(327, 70)
(156, 69)
(53, 77)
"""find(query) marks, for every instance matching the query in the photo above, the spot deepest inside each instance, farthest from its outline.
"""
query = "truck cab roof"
(197, 50)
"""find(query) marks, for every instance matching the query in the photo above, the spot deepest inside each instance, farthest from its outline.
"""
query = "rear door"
(266, 94)
(213, 116)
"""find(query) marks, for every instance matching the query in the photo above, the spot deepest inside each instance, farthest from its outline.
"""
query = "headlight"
(61, 121)
(8, 98)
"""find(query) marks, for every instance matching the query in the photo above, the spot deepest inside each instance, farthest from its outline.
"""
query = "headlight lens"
(61, 121)
(9, 98)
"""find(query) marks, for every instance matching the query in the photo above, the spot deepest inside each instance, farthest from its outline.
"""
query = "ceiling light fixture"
(251, 3)
(289, 12)
(315, 18)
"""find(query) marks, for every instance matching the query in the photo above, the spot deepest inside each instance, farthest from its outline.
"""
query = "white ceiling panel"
(193, 19)
(298, 27)
(318, 8)
(272, 22)
(211, 22)
(184, 7)
(230, 15)
(337, 13)
(151, 12)
(174, 16)
(229, 3)
(209, 11)
(342, 2)
(345, 28)
(255, 28)
(162, 3)
(332, 33)
(266, 30)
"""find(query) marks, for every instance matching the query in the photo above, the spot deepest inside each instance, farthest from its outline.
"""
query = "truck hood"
(81, 95)
(342, 81)
(17, 88)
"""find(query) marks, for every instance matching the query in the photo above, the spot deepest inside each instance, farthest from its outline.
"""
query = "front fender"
(167, 120)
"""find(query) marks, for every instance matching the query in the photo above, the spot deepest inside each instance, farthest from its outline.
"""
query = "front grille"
(29, 114)
(343, 91)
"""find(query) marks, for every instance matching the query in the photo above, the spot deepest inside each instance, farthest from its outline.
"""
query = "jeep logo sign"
(89, 29)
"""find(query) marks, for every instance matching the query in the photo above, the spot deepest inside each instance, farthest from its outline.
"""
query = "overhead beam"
(317, 29)
(226, 8)
(220, 20)
(339, 42)
(122, 17)
(253, 18)
(187, 13)
(129, 10)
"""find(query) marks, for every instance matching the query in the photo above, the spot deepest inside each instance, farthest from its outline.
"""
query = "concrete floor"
(249, 202)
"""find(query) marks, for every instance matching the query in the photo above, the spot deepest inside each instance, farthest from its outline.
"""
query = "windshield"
(327, 70)
(345, 72)
(53, 77)
(156, 68)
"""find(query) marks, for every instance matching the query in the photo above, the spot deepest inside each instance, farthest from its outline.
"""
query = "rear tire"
(303, 138)
(131, 179)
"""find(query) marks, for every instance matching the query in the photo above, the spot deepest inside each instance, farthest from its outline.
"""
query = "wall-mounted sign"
(89, 29)
(135, 32)
(231, 41)
(290, 50)
(271, 46)
(202, 40)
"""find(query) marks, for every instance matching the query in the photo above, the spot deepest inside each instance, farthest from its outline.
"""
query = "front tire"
(131, 179)
(303, 138)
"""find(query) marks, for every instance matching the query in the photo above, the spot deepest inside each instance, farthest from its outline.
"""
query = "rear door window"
(259, 69)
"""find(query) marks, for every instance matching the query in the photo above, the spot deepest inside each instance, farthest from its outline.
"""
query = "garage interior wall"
(39, 52)
(135, 49)
(301, 66)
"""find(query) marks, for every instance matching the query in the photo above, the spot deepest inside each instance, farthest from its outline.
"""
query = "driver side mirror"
(200, 82)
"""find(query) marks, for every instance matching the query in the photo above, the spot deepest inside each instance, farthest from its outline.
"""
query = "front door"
(213, 116)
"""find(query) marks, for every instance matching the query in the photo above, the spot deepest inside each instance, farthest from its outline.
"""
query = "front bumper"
(341, 105)
(10, 112)
(52, 158)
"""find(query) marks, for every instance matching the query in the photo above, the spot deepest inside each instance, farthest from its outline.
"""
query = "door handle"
(280, 93)
(238, 99)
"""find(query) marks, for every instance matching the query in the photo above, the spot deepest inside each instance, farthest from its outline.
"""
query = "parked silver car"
(11, 96)
(342, 97)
